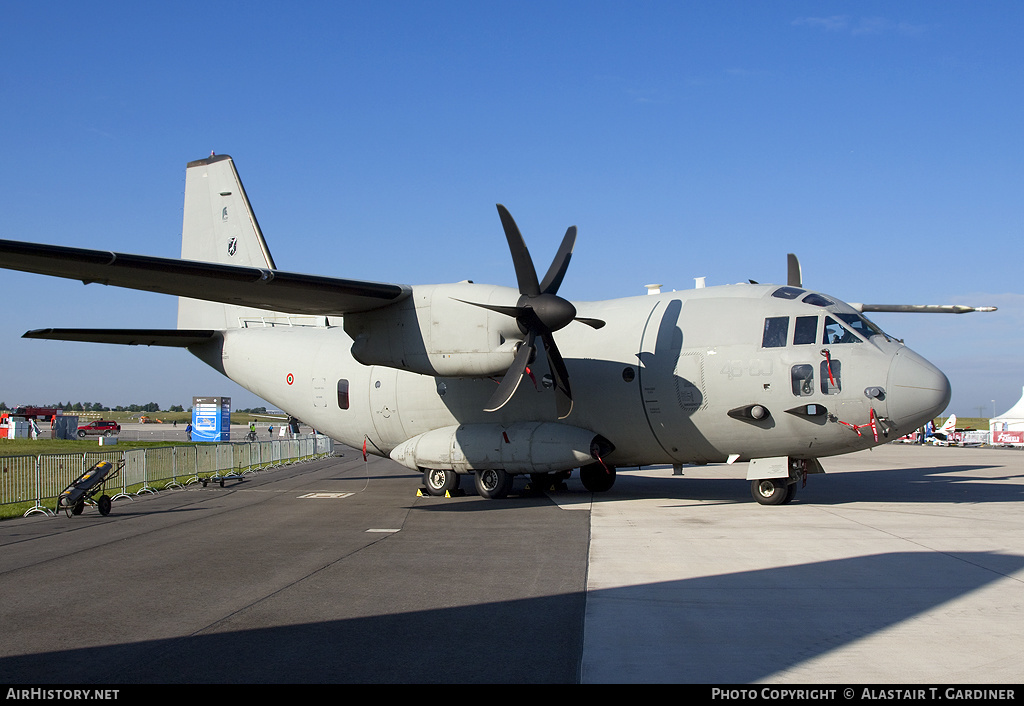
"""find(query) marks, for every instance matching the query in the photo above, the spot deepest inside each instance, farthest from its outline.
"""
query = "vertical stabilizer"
(218, 226)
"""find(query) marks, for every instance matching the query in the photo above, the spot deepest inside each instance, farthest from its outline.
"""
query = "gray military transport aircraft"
(446, 379)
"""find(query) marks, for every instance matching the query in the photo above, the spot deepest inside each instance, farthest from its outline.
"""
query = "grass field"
(976, 423)
(28, 447)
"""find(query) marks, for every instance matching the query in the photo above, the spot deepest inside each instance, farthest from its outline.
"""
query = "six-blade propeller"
(539, 312)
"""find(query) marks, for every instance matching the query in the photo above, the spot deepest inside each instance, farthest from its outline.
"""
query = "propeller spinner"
(539, 312)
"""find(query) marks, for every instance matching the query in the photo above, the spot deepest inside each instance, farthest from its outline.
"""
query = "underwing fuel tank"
(526, 447)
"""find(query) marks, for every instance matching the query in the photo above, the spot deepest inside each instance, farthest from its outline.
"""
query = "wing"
(922, 308)
(257, 287)
(795, 279)
(174, 338)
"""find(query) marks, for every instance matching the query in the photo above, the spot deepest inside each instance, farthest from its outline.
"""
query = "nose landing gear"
(773, 491)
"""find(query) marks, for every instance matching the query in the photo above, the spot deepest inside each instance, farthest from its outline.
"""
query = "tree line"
(99, 407)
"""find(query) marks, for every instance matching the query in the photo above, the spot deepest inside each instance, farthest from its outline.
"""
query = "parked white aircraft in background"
(446, 378)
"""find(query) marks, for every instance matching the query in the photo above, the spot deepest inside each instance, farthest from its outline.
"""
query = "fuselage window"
(776, 332)
(831, 382)
(835, 332)
(806, 330)
(343, 394)
(803, 380)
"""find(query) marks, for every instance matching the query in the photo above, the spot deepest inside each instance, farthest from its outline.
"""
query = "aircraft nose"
(917, 391)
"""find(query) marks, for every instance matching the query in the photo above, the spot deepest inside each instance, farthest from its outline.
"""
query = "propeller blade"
(513, 376)
(794, 277)
(922, 308)
(560, 375)
(539, 312)
(563, 404)
(506, 310)
(553, 279)
(526, 273)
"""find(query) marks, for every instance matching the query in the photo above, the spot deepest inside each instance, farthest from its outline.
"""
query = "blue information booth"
(211, 419)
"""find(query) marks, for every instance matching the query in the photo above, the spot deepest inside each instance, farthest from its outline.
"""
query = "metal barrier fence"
(40, 478)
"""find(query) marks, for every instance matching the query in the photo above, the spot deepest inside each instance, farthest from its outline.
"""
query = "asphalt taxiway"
(903, 564)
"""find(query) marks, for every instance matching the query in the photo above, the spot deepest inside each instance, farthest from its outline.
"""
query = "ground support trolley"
(86, 486)
(219, 478)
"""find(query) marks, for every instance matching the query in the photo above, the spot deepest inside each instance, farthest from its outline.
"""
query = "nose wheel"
(773, 491)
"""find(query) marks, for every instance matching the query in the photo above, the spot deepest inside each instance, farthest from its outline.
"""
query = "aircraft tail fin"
(950, 425)
(219, 226)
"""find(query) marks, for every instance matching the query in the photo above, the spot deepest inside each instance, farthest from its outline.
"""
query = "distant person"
(188, 431)
(270, 429)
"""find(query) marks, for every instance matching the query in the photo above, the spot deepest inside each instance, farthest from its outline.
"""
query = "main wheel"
(772, 491)
(597, 478)
(439, 481)
(103, 504)
(492, 483)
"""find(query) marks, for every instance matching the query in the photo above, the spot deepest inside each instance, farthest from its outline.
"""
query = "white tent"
(1008, 428)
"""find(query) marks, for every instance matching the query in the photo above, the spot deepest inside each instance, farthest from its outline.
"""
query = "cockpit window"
(806, 330)
(817, 300)
(788, 292)
(861, 325)
(835, 332)
(776, 331)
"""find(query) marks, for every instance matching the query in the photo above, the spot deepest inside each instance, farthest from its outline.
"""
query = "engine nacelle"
(435, 332)
(525, 447)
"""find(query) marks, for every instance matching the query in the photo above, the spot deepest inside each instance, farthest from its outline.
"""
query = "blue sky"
(881, 142)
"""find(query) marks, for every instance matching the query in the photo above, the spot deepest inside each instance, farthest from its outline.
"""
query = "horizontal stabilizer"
(262, 288)
(922, 308)
(174, 338)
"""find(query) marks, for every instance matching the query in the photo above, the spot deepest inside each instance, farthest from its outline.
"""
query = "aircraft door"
(384, 406)
(672, 384)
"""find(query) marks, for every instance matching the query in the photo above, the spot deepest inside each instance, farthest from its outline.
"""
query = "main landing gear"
(492, 483)
(439, 481)
(496, 483)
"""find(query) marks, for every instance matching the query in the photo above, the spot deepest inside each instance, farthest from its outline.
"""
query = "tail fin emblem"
(232, 246)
